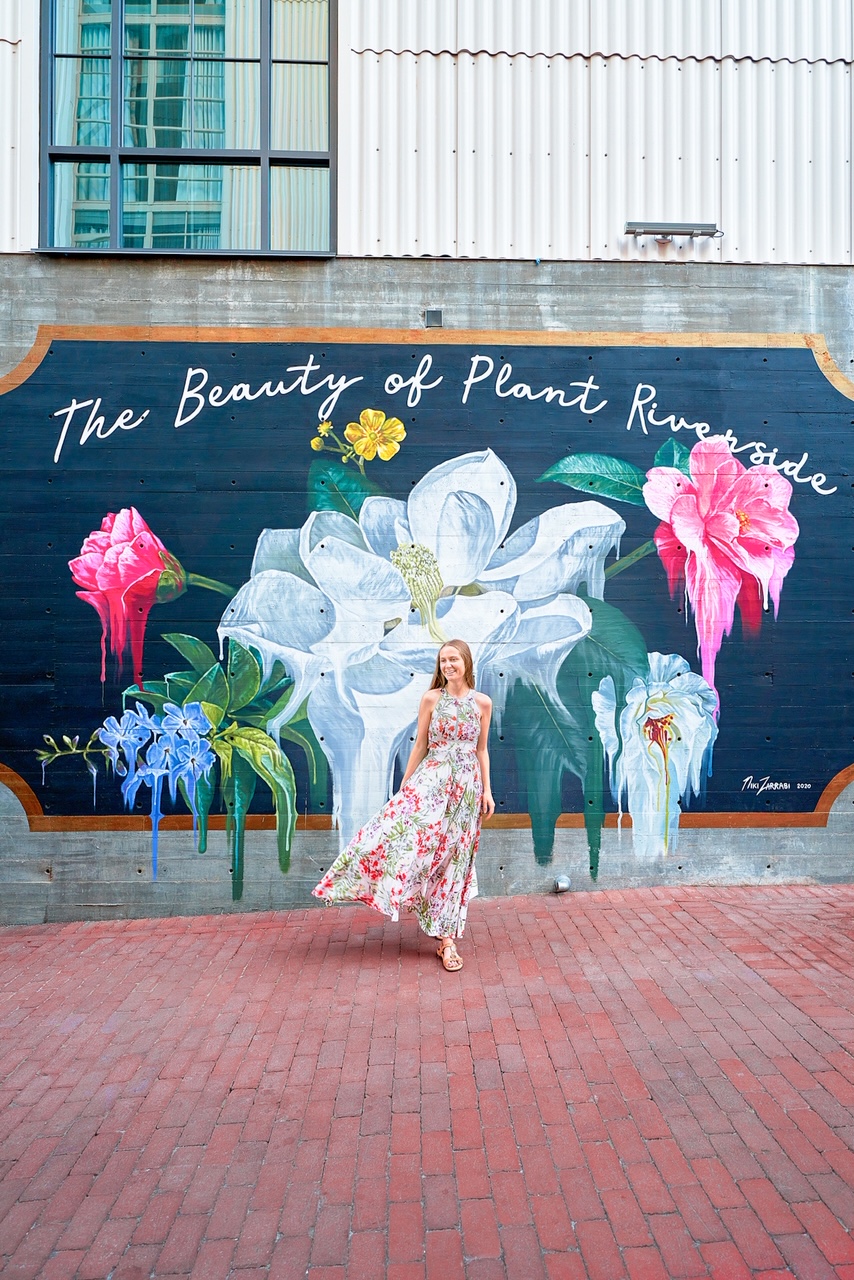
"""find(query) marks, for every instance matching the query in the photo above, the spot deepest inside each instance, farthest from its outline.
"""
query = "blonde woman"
(419, 850)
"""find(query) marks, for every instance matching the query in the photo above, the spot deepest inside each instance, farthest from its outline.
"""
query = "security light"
(665, 231)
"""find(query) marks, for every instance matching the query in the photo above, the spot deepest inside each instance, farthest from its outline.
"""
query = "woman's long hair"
(439, 681)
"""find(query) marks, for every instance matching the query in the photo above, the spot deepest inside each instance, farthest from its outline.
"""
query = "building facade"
(292, 277)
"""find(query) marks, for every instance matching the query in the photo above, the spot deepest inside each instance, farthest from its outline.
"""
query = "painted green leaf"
(332, 486)
(215, 714)
(179, 684)
(213, 687)
(673, 453)
(199, 655)
(300, 733)
(237, 792)
(600, 473)
(244, 676)
(271, 764)
(547, 743)
(155, 693)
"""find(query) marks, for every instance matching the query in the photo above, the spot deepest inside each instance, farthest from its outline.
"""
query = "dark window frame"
(117, 154)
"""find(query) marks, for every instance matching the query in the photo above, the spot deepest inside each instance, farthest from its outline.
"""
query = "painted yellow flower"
(324, 428)
(374, 434)
(316, 444)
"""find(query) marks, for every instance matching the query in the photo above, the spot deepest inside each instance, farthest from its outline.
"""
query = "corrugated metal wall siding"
(542, 128)
(18, 125)
(792, 29)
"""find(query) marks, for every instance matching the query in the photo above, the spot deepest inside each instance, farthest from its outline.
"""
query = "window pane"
(82, 26)
(81, 205)
(299, 209)
(191, 206)
(231, 27)
(157, 103)
(301, 29)
(299, 108)
(82, 102)
(226, 105)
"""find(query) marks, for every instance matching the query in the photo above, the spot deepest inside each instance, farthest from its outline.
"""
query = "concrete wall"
(393, 293)
(53, 876)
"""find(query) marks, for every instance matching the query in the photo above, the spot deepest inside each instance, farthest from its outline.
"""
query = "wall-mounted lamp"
(665, 231)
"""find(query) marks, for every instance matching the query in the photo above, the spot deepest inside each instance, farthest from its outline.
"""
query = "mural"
(273, 539)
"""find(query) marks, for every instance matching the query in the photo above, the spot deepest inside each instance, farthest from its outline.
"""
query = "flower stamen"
(743, 520)
(419, 569)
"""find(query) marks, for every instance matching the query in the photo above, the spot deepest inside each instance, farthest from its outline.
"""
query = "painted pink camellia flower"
(727, 534)
(124, 568)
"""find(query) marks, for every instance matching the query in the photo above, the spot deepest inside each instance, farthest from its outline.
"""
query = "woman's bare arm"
(482, 751)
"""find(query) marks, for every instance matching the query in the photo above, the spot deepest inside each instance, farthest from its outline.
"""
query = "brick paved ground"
(652, 1084)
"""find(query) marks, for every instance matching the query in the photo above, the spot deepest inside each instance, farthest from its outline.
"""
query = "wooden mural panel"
(230, 557)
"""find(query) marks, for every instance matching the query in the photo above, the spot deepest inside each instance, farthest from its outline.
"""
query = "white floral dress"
(419, 850)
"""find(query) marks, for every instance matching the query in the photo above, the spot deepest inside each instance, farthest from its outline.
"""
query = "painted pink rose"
(124, 568)
(727, 535)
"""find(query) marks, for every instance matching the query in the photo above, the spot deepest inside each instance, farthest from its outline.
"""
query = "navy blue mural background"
(208, 488)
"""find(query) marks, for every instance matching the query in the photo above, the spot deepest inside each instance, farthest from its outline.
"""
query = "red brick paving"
(639, 1085)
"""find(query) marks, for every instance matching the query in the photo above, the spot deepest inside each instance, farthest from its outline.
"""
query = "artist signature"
(769, 784)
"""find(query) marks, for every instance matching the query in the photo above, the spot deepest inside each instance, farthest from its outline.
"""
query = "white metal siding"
(654, 154)
(18, 125)
(711, 112)
(791, 29)
(787, 173)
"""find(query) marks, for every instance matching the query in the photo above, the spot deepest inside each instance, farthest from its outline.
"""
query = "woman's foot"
(448, 954)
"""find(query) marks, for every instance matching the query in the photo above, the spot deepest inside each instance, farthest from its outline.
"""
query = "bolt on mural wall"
(644, 549)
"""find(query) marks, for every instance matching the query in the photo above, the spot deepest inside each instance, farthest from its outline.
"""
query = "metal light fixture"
(665, 231)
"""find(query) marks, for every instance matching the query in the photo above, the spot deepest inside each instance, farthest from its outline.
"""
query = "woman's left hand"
(487, 805)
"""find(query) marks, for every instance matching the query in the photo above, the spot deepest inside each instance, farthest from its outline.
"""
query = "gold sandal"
(450, 957)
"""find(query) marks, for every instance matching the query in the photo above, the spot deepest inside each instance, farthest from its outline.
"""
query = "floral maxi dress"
(419, 850)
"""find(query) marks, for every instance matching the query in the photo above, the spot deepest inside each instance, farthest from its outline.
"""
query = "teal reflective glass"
(299, 209)
(172, 102)
(301, 29)
(299, 108)
(210, 28)
(81, 205)
(226, 105)
(81, 102)
(82, 26)
(228, 27)
(157, 108)
(191, 206)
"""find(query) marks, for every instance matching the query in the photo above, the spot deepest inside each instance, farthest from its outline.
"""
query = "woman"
(419, 850)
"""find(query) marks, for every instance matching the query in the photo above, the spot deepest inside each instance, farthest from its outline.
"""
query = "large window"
(187, 126)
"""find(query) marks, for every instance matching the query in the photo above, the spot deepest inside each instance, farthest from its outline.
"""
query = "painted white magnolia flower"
(355, 610)
(659, 747)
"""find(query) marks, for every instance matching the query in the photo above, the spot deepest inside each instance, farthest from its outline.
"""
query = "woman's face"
(451, 663)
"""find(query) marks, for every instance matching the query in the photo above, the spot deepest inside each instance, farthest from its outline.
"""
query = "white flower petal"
(467, 528)
(329, 524)
(357, 580)
(546, 635)
(384, 524)
(557, 551)
(363, 719)
(654, 768)
(284, 618)
(279, 549)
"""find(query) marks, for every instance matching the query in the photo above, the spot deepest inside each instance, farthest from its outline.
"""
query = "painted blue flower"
(194, 758)
(126, 735)
(190, 719)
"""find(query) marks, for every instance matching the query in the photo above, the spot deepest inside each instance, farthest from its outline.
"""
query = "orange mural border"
(38, 820)
(48, 333)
